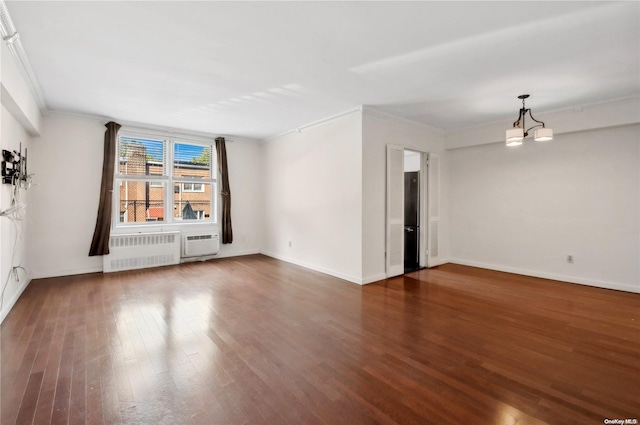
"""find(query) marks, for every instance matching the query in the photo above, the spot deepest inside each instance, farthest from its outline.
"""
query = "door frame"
(425, 219)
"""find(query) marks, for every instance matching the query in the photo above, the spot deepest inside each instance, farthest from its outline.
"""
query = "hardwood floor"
(255, 340)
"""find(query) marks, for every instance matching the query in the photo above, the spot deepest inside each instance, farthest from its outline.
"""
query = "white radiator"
(200, 244)
(142, 250)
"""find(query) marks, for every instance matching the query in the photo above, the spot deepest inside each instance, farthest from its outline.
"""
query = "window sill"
(163, 227)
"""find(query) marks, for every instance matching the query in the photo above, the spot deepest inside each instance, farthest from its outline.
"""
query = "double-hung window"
(164, 180)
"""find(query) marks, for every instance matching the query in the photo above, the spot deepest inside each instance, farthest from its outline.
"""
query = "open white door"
(424, 213)
(395, 211)
(433, 215)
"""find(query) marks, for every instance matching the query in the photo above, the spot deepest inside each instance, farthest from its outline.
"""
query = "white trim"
(373, 278)
(299, 129)
(143, 178)
(371, 110)
(68, 272)
(434, 183)
(394, 212)
(192, 190)
(170, 131)
(310, 266)
(236, 253)
(8, 306)
(11, 38)
(562, 278)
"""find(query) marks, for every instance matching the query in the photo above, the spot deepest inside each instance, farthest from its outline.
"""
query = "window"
(156, 183)
(164, 180)
(192, 187)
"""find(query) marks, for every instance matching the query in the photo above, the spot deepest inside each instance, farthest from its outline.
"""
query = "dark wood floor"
(255, 340)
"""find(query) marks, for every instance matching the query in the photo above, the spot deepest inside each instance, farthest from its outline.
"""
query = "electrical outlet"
(289, 244)
(570, 259)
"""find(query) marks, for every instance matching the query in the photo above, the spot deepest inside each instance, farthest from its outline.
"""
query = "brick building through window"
(143, 179)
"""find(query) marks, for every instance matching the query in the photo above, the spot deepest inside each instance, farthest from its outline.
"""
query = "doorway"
(412, 233)
(412, 201)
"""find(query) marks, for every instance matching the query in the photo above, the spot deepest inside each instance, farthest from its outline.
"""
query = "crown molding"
(312, 124)
(149, 128)
(549, 114)
(11, 37)
(612, 113)
(372, 110)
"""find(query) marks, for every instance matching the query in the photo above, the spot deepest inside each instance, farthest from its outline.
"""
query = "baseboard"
(374, 278)
(317, 268)
(552, 276)
(38, 274)
(13, 300)
(228, 254)
(238, 253)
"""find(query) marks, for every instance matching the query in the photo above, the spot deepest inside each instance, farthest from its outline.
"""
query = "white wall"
(16, 94)
(13, 233)
(19, 119)
(245, 174)
(525, 209)
(379, 130)
(313, 197)
(67, 160)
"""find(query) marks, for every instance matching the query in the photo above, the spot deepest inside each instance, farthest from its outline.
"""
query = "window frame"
(193, 185)
(168, 179)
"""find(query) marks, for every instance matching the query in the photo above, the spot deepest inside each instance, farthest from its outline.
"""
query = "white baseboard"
(552, 276)
(374, 278)
(317, 268)
(238, 253)
(226, 254)
(40, 274)
(9, 303)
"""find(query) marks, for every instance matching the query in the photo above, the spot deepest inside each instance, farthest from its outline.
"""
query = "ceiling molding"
(594, 116)
(151, 128)
(11, 37)
(631, 99)
(372, 110)
(312, 124)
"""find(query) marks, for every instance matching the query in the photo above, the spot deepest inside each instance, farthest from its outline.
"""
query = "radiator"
(200, 244)
(142, 250)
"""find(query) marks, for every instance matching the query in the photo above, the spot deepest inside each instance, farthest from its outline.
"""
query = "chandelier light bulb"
(543, 135)
(515, 136)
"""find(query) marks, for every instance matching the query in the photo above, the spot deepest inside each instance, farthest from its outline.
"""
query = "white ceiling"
(256, 69)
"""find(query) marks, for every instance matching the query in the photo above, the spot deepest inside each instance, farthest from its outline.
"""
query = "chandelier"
(516, 135)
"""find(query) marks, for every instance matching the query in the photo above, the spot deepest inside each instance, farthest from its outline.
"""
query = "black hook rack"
(14, 166)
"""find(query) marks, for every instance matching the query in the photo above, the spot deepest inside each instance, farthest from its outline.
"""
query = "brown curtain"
(100, 242)
(225, 191)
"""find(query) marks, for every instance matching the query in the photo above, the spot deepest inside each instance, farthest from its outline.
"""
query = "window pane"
(141, 157)
(148, 185)
(192, 187)
(191, 160)
(141, 201)
(193, 203)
